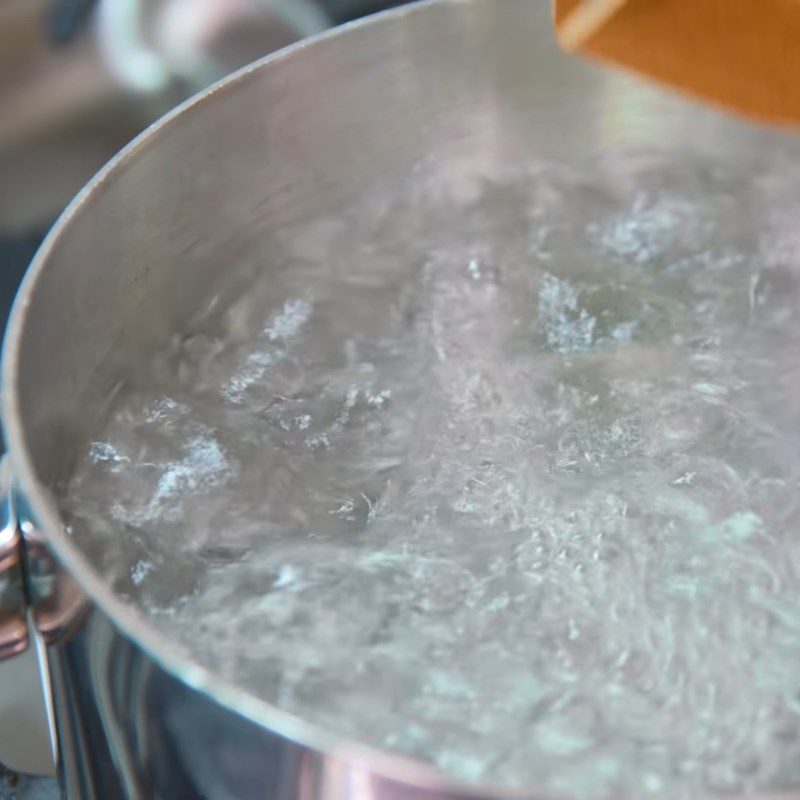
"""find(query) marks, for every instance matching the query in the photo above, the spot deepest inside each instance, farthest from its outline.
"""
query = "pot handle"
(14, 637)
(26, 734)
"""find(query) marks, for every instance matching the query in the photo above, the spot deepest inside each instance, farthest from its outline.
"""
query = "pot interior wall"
(187, 213)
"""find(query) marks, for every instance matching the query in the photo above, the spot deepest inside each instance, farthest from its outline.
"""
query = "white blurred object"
(146, 45)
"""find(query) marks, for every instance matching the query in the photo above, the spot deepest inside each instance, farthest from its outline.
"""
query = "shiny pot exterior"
(455, 87)
(128, 728)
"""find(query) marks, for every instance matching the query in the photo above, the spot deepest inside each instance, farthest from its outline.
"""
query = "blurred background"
(80, 78)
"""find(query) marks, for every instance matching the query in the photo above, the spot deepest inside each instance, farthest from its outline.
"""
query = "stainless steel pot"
(466, 83)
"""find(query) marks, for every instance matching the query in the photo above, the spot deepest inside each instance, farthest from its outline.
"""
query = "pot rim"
(402, 769)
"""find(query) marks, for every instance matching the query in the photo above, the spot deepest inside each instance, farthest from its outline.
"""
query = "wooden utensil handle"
(585, 20)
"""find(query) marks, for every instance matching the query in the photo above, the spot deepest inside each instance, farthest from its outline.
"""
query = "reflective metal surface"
(148, 734)
(462, 86)
(13, 627)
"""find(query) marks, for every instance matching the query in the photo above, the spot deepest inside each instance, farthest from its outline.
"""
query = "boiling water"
(498, 473)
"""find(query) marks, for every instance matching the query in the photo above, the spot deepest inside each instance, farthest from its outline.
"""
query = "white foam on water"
(505, 479)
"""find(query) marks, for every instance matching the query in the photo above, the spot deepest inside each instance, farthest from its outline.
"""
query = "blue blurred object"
(345, 10)
(15, 255)
(67, 17)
